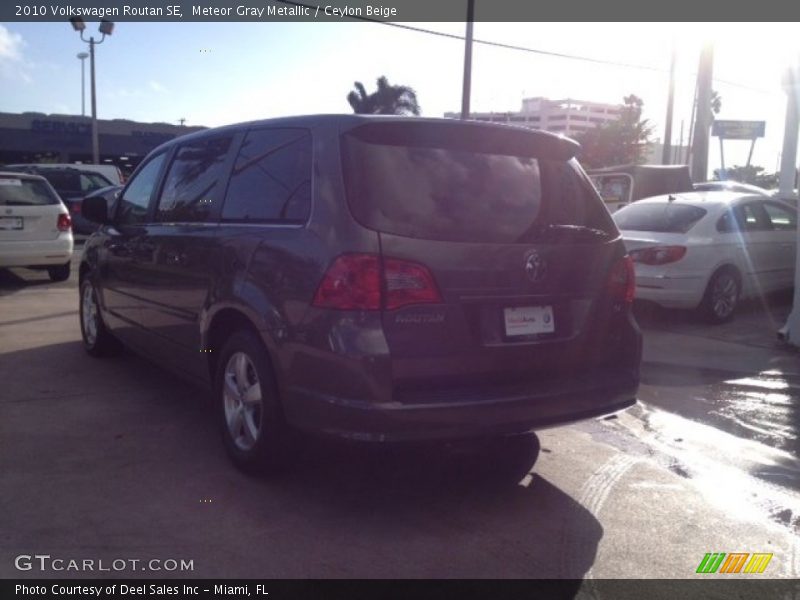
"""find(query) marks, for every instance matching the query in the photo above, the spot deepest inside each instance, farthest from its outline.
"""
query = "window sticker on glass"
(4, 181)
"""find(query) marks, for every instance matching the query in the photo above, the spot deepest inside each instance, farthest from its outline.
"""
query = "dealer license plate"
(529, 320)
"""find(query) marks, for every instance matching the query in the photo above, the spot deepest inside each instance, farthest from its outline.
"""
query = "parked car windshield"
(25, 192)
(661, 217)
(454, 189)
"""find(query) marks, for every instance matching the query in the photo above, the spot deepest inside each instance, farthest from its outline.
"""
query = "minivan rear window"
(456, 187)
(25, 192)
(661, 217)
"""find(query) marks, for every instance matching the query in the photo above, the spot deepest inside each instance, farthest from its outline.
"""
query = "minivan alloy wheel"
(89, 313)
(243, 402)
(97, 339)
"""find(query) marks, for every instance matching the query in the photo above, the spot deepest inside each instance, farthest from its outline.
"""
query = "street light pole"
(106, 28)
(83, 56)
(95, 135)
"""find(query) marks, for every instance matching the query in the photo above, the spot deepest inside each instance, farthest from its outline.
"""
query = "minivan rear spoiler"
(470, 136)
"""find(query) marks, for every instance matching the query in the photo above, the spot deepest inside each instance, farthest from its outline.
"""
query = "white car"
(35, 226)
(109, 171)
(708, 250)
(730, 186)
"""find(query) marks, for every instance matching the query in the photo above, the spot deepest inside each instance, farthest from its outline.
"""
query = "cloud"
(10, 45)
(12, 64)
(152, 87)
(122, 92)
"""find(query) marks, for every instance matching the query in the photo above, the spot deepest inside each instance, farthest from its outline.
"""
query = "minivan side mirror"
(95, 208)
(99, 205)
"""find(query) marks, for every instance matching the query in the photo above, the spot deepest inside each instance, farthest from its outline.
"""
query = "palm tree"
(386, 100)
(716, 103)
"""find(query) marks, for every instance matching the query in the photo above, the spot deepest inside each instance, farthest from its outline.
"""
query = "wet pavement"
(737, 377)
(116, 458)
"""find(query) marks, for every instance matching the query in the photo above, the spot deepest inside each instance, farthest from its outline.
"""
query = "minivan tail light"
(409, 283)
(354, 282)
(622, 281)
(658, 255)
(64, 222)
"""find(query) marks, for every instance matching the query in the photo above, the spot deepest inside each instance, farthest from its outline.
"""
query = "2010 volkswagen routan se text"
(373, 278)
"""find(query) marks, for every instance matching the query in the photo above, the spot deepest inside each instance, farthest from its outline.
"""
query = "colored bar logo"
(735, 562)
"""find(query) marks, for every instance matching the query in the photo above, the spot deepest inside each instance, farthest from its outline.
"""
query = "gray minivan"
(372, 278)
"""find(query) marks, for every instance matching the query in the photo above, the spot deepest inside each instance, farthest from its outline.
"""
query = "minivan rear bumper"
(540, 406)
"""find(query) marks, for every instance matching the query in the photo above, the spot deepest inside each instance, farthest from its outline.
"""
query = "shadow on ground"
(110, 458)
(11, 281)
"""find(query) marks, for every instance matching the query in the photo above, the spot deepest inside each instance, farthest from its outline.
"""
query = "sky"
(219, 73)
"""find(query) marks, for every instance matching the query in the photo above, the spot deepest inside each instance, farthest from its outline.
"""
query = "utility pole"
(465, 92)
(691, 127)
(678, 157)
(665, 151)
(786, 181)
(790, 332)
(705, 73)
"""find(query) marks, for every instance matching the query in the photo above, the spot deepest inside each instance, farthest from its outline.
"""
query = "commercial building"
(568, 117)
(37, 137)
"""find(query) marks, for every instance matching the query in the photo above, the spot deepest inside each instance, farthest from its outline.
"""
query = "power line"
(557, 54)
(529, 50)
(524, 48)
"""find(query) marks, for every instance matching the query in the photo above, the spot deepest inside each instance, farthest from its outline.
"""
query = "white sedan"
(35, 226)
(708, 250)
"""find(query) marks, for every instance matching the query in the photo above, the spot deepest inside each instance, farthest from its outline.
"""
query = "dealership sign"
(62, 127)
(738, 130)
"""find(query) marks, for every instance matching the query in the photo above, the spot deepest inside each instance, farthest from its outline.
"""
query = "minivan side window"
(271, 180)
(193, 181)
(132, 204)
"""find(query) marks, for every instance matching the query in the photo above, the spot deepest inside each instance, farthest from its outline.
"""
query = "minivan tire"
(97, 339)
(248, 410)
(722, 296)
(59, 272)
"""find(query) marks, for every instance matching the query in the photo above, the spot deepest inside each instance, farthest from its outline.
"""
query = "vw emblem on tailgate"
(535, 266)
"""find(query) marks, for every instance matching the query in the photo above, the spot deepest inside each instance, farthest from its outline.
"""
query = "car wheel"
(249, 413)
(59, 272)
(722, 296)
(97, 340)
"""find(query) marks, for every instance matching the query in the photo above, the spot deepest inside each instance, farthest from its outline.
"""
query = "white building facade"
(567, 117)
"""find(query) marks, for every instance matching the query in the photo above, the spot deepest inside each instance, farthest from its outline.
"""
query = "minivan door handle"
(175, 258)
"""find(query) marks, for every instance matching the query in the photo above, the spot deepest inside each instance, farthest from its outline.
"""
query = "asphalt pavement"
(116, 459)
